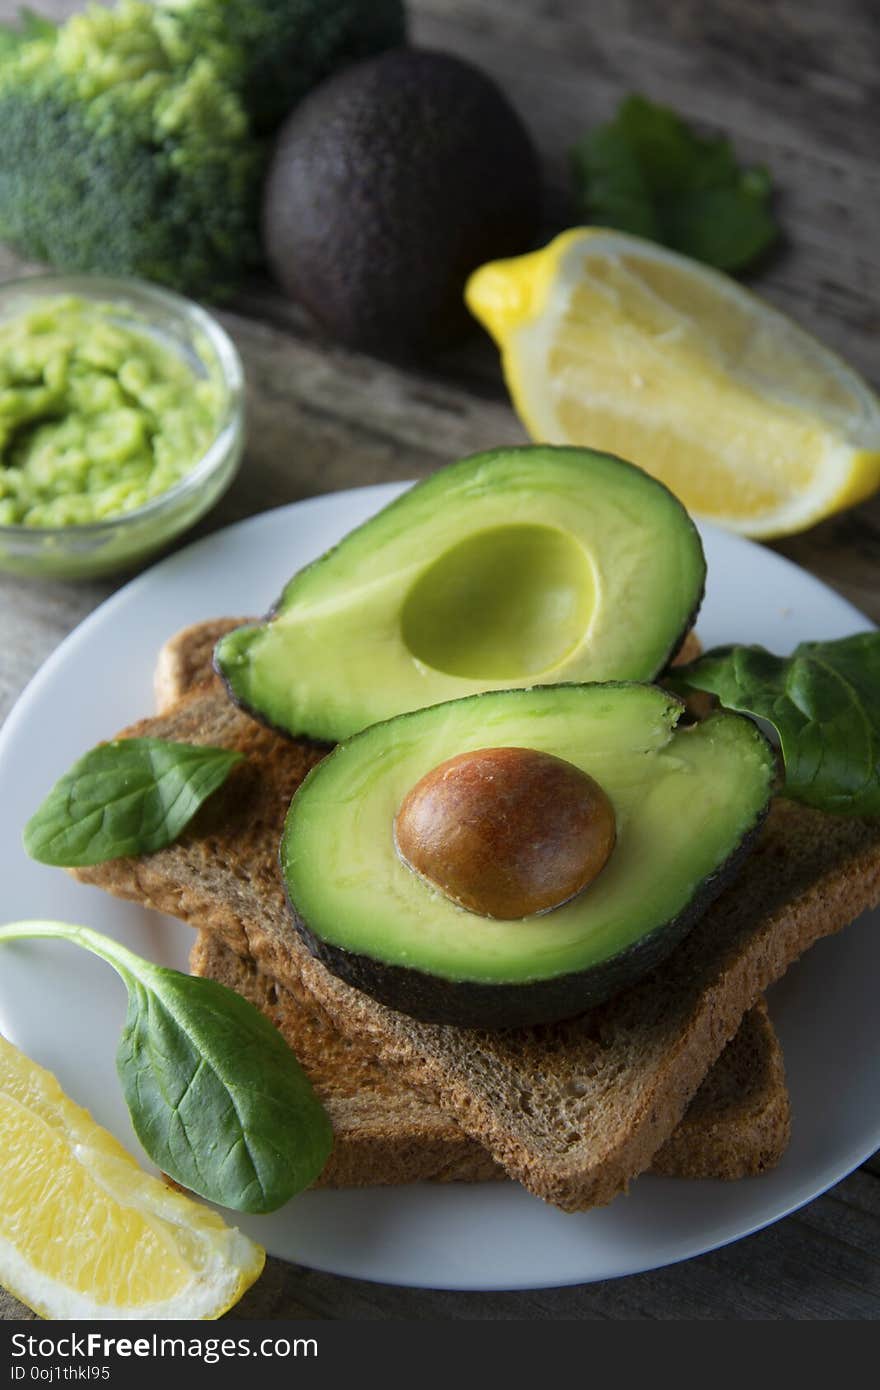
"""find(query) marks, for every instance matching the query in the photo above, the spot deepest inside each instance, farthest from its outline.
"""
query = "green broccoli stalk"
(128, 145)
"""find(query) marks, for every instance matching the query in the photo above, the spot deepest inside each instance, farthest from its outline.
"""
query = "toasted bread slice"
(572, 1110)
(737, 1125)
(575, 1110)
(387, 1133)
(384, 1132)
(186, 660)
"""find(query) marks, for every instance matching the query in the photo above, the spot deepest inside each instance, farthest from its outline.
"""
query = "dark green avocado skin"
(465, 1004)
(388, 185)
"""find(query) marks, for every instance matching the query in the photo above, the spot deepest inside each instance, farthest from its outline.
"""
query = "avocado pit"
(506, 832)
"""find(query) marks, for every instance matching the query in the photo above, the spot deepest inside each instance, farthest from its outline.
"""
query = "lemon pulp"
(613, 342)
(85, 1232)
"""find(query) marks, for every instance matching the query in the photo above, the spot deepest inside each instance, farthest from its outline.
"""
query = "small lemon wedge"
(85, 1233)
(614, 342)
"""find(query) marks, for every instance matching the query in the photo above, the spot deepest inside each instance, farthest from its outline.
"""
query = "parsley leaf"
(649, 173)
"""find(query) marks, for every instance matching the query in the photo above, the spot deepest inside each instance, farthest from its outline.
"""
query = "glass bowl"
(121, 542)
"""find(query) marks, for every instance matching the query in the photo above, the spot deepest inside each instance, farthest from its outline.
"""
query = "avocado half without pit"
(520, 567)
(519, 856)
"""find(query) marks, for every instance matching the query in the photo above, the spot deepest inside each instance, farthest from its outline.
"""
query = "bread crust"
(185, 661)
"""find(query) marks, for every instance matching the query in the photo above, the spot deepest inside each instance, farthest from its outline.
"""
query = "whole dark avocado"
(388, 185)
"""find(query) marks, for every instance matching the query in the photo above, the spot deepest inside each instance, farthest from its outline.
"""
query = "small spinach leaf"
(131, 796)
(216, 1097)
(649, 173)
(823, 701)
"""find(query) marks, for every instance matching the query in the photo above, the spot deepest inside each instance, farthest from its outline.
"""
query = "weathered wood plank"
(755, 71)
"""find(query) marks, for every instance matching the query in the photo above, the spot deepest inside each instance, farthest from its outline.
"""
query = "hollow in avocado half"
(519, 567)
(685, 803)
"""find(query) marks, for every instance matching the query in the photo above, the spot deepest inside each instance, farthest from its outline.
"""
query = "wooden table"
(794, 82)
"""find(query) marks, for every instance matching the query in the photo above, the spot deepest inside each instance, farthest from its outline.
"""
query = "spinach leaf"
(823, 701)
(216, 1097)
(649, 173)
(131, 796)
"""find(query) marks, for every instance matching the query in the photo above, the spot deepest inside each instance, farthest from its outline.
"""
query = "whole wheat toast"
(737, 1125)
(386, 1132)
(573, 1110)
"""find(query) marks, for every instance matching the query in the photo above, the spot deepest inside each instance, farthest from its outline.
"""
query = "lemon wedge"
(85, 1233)
(611, 341)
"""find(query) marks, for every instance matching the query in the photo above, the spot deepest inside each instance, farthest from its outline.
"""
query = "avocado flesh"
(685, 799)
(518, 567)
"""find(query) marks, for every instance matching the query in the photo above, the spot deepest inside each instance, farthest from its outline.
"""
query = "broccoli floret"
(129, 144)
(120, 155)
(280, 49)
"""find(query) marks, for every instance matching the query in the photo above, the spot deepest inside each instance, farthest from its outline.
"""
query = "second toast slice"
(385, 1132)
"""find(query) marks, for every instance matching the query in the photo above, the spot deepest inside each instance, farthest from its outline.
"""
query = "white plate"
(64, 1008)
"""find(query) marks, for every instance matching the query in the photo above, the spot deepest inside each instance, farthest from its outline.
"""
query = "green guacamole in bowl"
(120, 422)
(96, 418)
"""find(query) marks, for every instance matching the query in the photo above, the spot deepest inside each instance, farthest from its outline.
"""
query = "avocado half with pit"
(519, 567)
(686, 801)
